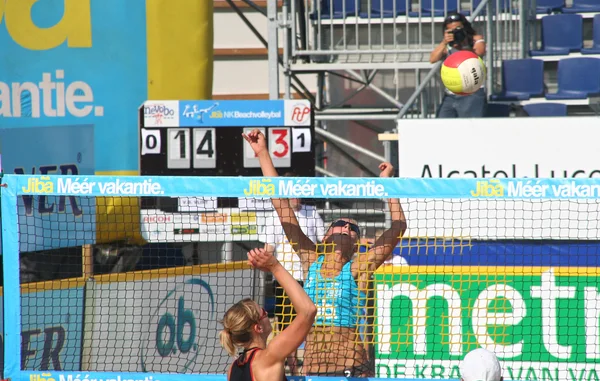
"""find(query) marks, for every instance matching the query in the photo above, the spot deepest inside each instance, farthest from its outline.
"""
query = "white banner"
(222, 225)
(162, 324)
(499, 147)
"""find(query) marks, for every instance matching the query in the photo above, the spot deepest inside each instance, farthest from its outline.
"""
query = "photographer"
(460, 35)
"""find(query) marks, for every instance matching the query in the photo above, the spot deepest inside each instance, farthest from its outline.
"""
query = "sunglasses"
(353, 227)
(263, 315)
(453, 17)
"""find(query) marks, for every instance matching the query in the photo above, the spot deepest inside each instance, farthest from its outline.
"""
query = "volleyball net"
(510, 265)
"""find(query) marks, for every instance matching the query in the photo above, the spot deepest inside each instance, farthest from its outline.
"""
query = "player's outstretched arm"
(290, 339)
(384, 246)
(302, 244)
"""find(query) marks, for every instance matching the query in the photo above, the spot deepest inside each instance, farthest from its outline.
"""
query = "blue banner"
(310, 187)
(75, 62)
(133, 376)
(51, 330)
(231, 113)
(52, 221)
(512, 253)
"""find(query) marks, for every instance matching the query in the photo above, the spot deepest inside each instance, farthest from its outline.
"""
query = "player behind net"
(336, 278)
(246, 325)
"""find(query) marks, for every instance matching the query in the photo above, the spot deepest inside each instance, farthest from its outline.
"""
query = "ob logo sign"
(178, 328)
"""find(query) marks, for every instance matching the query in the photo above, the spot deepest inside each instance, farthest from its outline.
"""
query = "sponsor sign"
(158, 226)
(297, 113)
(555, 189)
(75, 63)
(255, 203)
(541, 322)
(214, 218)
(59, 150)
(51, 329)
(176, 327)
(161, 114)
(240, 113)
(525, 147)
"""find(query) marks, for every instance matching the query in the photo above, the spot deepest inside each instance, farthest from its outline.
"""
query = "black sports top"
(241, 370)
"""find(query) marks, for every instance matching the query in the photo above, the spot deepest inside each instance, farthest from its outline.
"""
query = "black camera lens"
(459, 35)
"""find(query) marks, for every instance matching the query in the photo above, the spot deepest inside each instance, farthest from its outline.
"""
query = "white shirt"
(272, 233)
(396, 260)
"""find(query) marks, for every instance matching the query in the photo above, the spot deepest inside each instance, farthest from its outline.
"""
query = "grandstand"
(365, 62)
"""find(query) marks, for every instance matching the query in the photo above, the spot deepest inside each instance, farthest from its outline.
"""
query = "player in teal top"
(337, 278)
(341, 303)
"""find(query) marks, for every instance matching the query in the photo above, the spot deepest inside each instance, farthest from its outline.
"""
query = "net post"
(87, 262)
(11, 283)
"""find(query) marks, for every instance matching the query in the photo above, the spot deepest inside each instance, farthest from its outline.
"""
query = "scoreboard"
(204, 138)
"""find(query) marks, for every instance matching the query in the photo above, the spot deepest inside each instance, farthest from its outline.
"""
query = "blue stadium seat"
(595, 49)
(561, 35)
(436, 8)
(546, 109)
(505, 7)
(385, 8)
(521, 80)
(549, 6)
(578, 78)
(497, 110)
(581, 6)
(337, 9)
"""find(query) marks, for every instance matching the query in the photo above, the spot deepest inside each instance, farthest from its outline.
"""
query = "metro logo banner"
(541, 322)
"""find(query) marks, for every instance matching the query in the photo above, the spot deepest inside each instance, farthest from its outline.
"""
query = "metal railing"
(363, 36)
(507, 37)
(397, 47)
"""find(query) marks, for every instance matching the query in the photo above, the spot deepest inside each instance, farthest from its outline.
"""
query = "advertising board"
(541, 322)
(165, 324)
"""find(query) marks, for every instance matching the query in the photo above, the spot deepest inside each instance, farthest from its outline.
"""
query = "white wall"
(241, 75)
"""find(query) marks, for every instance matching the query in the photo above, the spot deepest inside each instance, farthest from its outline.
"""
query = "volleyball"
(463, 72)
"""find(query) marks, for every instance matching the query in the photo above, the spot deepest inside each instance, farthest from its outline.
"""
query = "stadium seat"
(436, 8)
(595, 49)
(337, 9)
(561, 35)
(549, 6)
(504, 9)
(521, 80)
(546, 109)
(497, 110)
(582, 6)
(385, 9)
(578, 78)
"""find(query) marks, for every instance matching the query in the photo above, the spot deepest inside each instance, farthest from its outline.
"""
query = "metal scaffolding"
(372, 70)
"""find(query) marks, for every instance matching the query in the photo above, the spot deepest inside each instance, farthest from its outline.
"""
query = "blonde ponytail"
(237, 325)
(227, 342)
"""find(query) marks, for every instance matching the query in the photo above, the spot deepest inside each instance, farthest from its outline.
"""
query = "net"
(483, 264)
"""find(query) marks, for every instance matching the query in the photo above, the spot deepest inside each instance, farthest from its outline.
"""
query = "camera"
(459, 35)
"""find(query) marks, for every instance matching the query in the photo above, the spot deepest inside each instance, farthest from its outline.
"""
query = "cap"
(480, 365)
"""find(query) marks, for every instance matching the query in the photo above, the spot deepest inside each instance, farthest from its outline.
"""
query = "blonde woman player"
(336, 279)
(246, 326)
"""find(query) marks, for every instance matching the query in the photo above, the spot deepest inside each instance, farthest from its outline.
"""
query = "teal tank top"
(339, 302)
